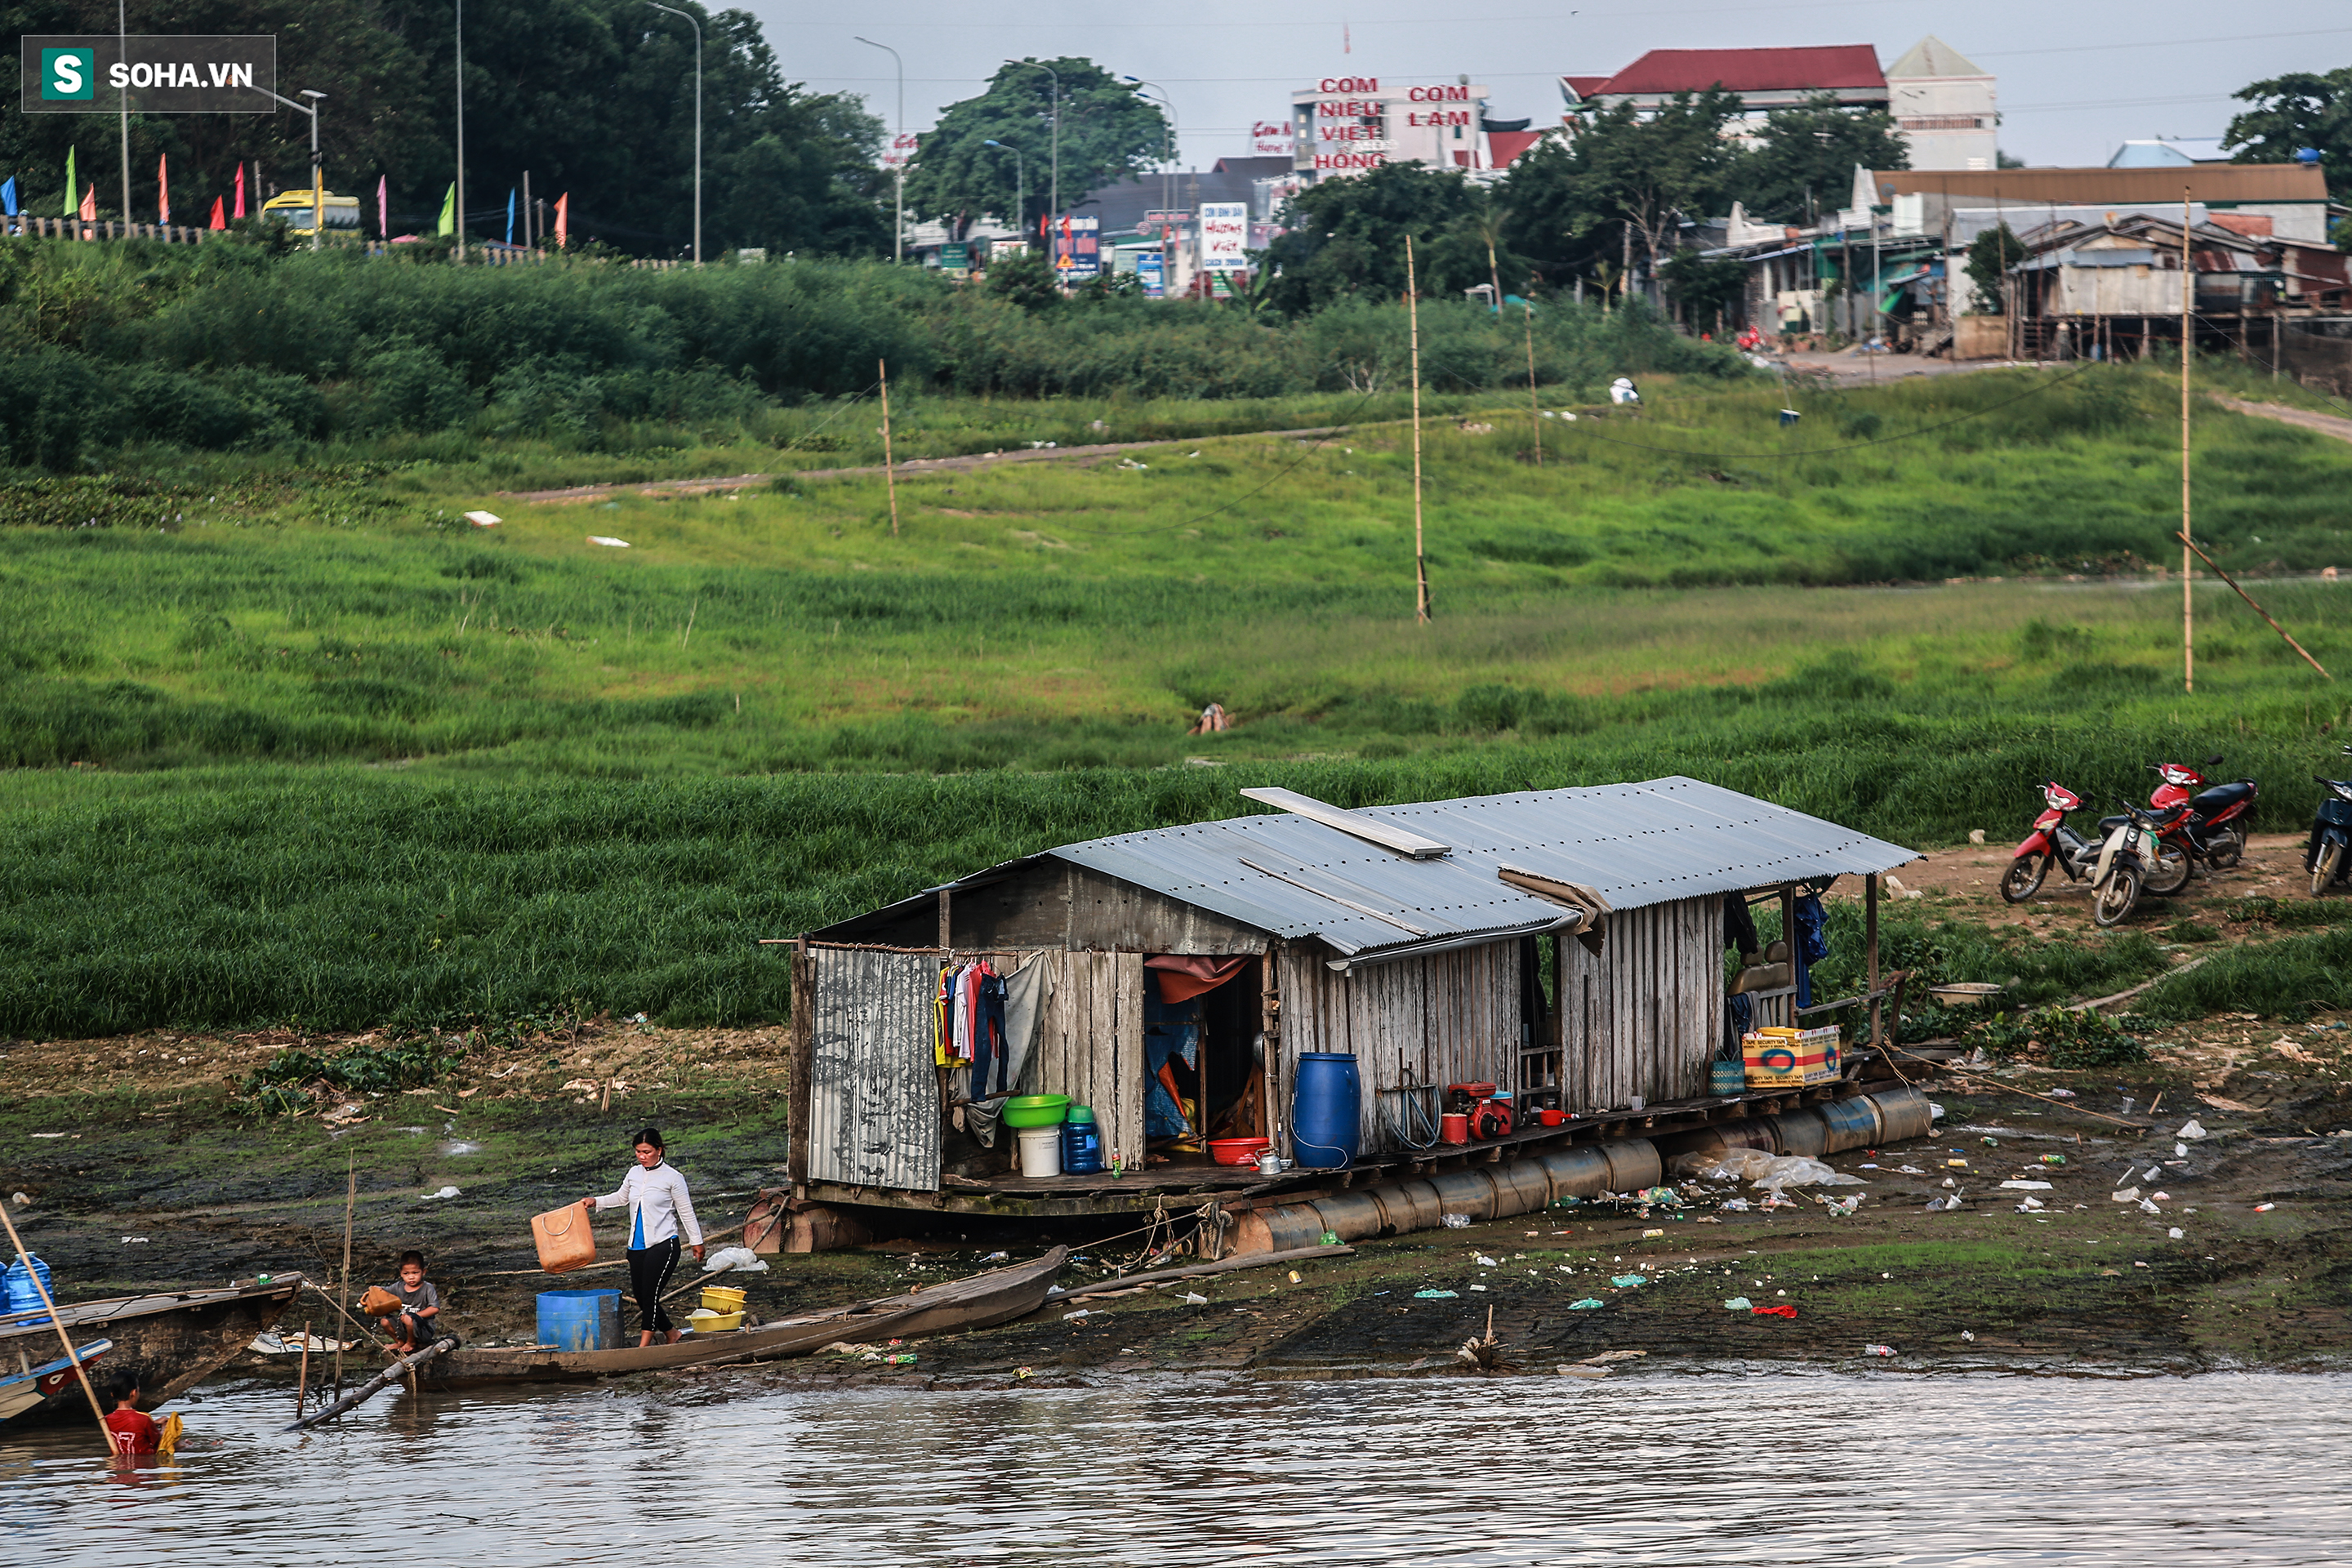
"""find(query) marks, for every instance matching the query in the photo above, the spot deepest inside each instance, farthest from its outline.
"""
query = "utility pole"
(122, 48)
(1055, 120)
(1168, 173)
(897, 150)
(697, 122)
(1419, 557)
(1535, 406)
(459, 203)
(2187, 340)
(317, 198)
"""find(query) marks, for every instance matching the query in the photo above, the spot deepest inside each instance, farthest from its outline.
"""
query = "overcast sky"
(2076, 79)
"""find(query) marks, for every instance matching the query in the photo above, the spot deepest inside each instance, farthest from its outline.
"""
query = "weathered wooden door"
(874, 1094)
(1090, 1043)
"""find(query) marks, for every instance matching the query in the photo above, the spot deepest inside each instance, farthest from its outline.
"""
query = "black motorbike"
(2326, 855)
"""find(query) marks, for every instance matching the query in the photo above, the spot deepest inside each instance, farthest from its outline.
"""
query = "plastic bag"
(742, 1260)
(1759, 1168)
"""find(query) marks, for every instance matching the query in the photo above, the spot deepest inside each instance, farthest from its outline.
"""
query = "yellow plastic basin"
(705, 1321)
(722, 1298)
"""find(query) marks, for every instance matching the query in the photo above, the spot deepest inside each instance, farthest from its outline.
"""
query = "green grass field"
(307, 747)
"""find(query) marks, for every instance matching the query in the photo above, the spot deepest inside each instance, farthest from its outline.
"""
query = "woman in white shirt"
(658, 1208)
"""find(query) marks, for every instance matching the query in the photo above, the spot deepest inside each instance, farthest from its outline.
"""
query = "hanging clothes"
(987, 1026)
(1171, 1032)
(1738, 925)
(942, 1015)
(1812, 944)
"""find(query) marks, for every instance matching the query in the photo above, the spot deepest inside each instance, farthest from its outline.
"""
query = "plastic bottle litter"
(2053, 1159)
(1455, 1221)
(2264, 1208)
(1193, 1299)
(1878, 1349)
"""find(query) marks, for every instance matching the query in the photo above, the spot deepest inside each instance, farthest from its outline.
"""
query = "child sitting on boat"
(411, 1327)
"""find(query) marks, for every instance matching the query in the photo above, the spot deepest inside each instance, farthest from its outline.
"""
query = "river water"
(1760, 1468)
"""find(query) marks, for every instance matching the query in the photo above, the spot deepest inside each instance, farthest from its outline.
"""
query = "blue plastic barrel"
(1327, 1102)
(580, 1319)
(21, 1294)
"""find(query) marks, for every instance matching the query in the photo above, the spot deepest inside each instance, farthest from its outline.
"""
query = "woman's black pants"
(649, 1271)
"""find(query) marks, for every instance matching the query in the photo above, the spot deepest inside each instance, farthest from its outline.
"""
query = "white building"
(1351, 124)
(1945, 107)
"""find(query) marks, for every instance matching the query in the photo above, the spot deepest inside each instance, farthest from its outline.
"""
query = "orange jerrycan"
(563, 1237)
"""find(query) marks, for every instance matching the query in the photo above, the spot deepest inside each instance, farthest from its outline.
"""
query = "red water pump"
(1489, 1115)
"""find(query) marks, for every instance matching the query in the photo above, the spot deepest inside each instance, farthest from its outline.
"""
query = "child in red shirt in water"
(134, 1431)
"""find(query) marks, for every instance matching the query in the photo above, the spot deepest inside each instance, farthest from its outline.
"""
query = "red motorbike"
(2212, 825)
(2051, 842)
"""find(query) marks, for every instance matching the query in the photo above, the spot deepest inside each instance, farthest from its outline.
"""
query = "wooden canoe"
(980, 1302)
(168, 1340)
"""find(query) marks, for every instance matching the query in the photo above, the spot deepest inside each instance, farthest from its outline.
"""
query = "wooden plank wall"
(1090, 1043)
(1448, 1017)
(1643, 1017)
(873, 1094)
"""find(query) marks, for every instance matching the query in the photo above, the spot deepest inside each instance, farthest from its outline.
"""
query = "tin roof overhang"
(1634, 844)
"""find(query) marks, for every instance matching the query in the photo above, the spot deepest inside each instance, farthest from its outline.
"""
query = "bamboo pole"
(1535, 407)
(2187, 340)
(302, 1379)
(105, 1433)
(389, 1375)
(343, 1291)
(1419, 557)
(890, 470)
(2258, 609)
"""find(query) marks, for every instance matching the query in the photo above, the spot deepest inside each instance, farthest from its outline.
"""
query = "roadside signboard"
(1162, 221)
(901, 150)
(1225, 235)
(1151, 269)
(101, 73)
(955, 258)
(1271, 139)
(1077, 248)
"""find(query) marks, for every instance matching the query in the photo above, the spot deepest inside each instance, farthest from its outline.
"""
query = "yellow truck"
(294, 209)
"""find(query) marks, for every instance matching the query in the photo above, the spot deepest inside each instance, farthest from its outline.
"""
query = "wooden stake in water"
(1420, 558)
(82, 1375)
(302, 1379)
(889, 472)
(2188, 340)
(1535, 408)
(351, 1199)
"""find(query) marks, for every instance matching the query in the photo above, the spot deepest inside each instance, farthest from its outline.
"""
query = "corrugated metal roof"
(1804, 67)
(1636, 844)
(2116, 188)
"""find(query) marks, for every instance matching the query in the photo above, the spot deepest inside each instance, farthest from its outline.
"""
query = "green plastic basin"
(1035, 1110)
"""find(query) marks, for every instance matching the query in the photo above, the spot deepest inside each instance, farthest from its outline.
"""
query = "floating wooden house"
(1569, 945)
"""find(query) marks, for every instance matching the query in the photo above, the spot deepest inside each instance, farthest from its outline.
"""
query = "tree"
(1705, 288)
(1347, 238)
(1806, 157)
(2305, 108)
(1108, 133)
(1625, 173)
(1991, 255)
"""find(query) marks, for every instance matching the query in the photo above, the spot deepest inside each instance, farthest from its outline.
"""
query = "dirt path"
(1970, 876)
(2326, 424)
(912, 466)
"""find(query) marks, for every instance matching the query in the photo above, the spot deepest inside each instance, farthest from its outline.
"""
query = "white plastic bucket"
(1040, 1151)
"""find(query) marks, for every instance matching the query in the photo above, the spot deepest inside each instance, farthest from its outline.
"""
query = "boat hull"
(168, 1341)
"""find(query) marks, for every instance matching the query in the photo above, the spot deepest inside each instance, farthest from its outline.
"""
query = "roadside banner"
(1077, 248)
(1150, 270)
(240, 190)
(563, 220)
(73, 198)
(163, 190)
(448, 224)
(1224, 237)
(168, 74)
(8, 198)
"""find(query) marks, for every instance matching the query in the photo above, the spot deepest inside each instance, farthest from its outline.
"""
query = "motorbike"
(2214, 827)
(2331, 832)
(2127, 855)
(2052, 842)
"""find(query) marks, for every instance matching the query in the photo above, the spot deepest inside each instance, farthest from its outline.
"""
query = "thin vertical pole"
(121, 48)
(351, 1200)
(1419, 557)
(2188, 337)
(81, 1374)
(889, 472)
(1535, 407)
(529, 234)
(1870, 947)
(302, 1379)
(460, 213)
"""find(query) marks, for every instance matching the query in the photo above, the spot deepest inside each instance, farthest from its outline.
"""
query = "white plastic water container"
(1040, 1151)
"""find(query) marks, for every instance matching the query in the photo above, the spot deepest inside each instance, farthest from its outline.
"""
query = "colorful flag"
(73, 195)
(240, 192)
(510, 199)
(449, 212)
(163, 190)
(383, 208)
(220, 220)
(563, 220)
(8, 198)
(89, 203)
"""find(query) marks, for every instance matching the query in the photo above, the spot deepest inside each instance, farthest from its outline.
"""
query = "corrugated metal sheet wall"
(1090, 1043)
(874, 1096)
(1644, 1016)
(1448, 1017)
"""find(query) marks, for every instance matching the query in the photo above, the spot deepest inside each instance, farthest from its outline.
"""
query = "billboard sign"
(1270, 139)
(101, 73)
(1077, 248)
(901, 150)
(1151, 271)
(955, 257)
(1224, 237)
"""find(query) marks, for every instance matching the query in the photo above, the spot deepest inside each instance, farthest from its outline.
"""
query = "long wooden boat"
(980, 1302)
(168, 1340)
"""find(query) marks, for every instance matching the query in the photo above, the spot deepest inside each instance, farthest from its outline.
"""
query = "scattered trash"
(1991, 1142)
(1760, 1169)
(2259, 1208)
(1483, 1261)
(2175, 1233)
(2161, 1197)
(1950, 1182)
(997, 1258)
(2029, 1205)
(1587, 1305)
(2062, 1094)
(48, 1134)
(2028, 1186)
(609, 541)
(1910, 1171)
(1434, 1295)
(1878, 1349)
(484, 518)
(2126, 1195)
(1455, 1221)
(1598, 1365)
(1081, 1312)
(1956, 1164)
(905, 1358)
(1660, 1196)
(1651, 1233)
(1194, 1299)
(1782, 1312)
(1969, 1335)
(1627, 1281)
(2189, 1128)
(1024, 1372)
(1294, 1277)
(1944, 1206)
(134, 1240)
(1477, 1286)
(1841, 1207)
(1733, 1205)
(19, 1199)
(742, 1260)
(2053, 1159)
(1935, 1112)
(444, 1192)
(1739, 1304)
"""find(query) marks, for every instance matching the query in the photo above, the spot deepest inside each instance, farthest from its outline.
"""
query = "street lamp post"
(1020, 189)
(1168, 175)
(697, 122)
(317, 185)
(897, 135)
(458, 202)
(1056, 122)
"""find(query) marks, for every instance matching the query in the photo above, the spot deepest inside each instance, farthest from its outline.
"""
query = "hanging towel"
(1812, 944)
